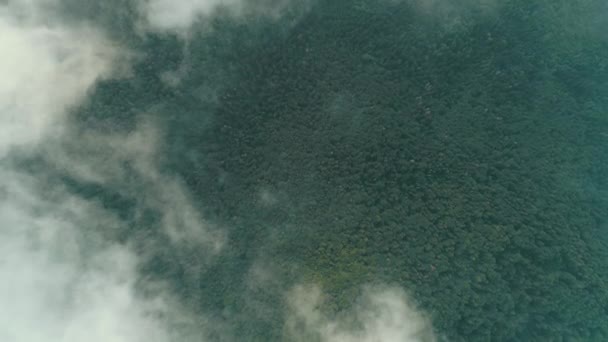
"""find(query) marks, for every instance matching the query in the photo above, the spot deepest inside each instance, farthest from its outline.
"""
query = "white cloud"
(128, 163)
(381, 315)
(46, 68)
(180, 15)
(60, 278)
(60, 281)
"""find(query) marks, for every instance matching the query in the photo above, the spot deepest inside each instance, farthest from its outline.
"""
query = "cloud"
(180, 15)
(62, 279)
(46, 69)
(382, 314)
(129, 164)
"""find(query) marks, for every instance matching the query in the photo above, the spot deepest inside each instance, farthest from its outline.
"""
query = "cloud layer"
(62, 279)
(46, 68)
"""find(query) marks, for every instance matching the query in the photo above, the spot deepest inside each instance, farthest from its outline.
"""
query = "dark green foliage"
(465, 162)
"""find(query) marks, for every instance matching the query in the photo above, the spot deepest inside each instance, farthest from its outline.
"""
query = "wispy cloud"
(381, 314)
(62, 279)
(129, 164)
(46, 68)
(180, 15)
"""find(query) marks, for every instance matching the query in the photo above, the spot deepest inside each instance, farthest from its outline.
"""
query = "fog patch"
(46, 69)
(63, 282)
(380, 314)
(62, 279)
(178, 16)
(130, 164)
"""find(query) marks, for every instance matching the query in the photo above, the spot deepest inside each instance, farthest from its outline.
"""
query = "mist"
(62, 278)
(180, 16)
(380, 314)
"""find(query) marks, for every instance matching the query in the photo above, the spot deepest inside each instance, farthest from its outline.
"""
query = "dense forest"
(456, 151)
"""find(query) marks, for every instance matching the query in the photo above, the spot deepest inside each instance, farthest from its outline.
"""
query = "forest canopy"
(451, 155)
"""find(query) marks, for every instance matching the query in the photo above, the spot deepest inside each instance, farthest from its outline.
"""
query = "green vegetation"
(465, 162)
